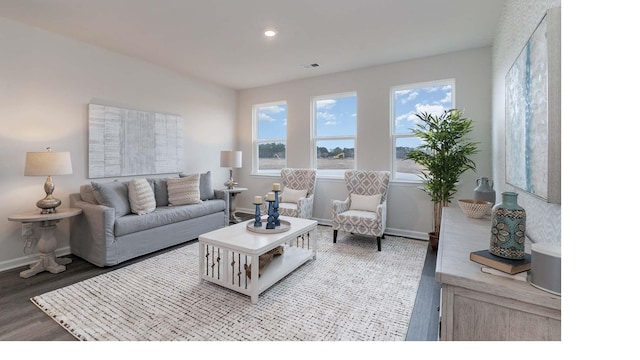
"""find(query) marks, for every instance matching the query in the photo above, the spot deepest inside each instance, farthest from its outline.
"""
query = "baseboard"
(389, 231)
(30, 259)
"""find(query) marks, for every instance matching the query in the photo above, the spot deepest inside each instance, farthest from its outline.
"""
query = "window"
(407, 100)
(269, 138)
(335, 118)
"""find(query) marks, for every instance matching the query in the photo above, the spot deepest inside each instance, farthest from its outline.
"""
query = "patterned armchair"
(294, 200)
(364, 212)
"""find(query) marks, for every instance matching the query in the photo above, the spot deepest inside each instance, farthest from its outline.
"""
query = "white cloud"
(323, 115)
(331, 123)
(429, 108)
(325, 104)
(447, 98)
(265, 111)
(264, 117)
(411, 97)
(411, 117)
(273, 109)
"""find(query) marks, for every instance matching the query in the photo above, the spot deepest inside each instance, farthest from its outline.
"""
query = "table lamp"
(47, 164)
(231, 159)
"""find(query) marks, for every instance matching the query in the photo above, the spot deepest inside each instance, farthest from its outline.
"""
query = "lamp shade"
(47, 163)
(231, 159)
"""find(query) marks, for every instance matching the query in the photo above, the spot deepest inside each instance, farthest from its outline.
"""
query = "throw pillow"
(365, 202)
(86, 194)
(183, 191)
(114, 195)
(206, 185)
(160, 190)
(141, 197)
(292, 195)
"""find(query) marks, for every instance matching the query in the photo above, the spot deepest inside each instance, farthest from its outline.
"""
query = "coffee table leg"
(255, 278)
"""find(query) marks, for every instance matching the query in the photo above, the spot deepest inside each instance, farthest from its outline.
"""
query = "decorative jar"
(508, 226)
(484, 191)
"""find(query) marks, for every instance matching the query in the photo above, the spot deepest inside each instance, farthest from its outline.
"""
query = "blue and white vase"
(508, 226)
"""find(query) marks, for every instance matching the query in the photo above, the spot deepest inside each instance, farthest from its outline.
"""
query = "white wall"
(46, 82)
(409, 209)
(519, 19)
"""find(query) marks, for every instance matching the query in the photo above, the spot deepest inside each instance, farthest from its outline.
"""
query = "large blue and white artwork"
(532, 126)
(125, 142)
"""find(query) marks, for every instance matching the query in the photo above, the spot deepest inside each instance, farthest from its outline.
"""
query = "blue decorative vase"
(508, 225)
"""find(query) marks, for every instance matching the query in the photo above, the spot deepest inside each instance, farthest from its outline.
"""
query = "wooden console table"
(480, 306)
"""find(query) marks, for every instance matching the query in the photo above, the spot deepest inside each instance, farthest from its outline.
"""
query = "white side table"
(232, 204)
(47, 243)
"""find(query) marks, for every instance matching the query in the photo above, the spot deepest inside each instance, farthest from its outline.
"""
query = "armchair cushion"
(291, 195)
(365, 202)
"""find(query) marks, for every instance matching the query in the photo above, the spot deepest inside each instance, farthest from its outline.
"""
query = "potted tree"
(445, 154)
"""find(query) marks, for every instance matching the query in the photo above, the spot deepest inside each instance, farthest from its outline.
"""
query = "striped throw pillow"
(141, 197)
(183, 191)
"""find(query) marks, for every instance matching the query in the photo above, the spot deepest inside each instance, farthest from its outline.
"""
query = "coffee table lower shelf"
(234, 277)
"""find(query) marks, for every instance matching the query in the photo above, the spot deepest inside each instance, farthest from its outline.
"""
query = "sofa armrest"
(92, 233)
(223, 195)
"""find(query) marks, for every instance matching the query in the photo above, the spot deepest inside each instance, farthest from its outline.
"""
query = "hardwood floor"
(20, 320)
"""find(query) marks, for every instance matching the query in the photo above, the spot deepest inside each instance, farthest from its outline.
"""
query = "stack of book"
(515, 269)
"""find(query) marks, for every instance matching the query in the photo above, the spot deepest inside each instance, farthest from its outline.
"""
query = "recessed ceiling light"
(270, 33)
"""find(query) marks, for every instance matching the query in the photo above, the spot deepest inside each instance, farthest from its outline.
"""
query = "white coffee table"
(224, 252)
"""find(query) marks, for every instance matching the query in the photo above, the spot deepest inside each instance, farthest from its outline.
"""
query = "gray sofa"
(107, 233)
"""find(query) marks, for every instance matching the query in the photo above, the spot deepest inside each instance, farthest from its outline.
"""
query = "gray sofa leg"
(335, 235)
(379, 245)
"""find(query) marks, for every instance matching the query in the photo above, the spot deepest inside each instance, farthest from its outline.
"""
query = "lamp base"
(48, 204)
(231, 184)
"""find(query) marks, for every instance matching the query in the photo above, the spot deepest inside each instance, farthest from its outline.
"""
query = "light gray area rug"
(350, 292)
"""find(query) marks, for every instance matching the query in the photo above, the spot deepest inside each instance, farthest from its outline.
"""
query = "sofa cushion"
(206, 185)
(365, 202)
(166, 215)
(141, 197)
(183, 191)
(113, 194)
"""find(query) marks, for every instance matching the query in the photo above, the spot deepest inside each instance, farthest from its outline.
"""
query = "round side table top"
(35, 215)
(235, 190)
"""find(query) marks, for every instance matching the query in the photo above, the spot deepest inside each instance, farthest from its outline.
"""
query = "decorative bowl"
(475, 209)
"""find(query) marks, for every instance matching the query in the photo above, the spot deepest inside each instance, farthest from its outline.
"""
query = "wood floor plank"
(21, 320)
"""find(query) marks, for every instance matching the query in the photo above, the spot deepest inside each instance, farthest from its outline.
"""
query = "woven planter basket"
(475, 208)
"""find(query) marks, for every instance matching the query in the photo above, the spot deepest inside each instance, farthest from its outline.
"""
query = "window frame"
(255, 143)
(324, 173)
(392, 123)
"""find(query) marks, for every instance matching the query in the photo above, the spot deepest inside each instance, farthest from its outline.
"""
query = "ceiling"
(222, 41)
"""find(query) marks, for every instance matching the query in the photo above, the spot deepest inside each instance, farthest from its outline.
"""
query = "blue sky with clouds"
(337, 116)
(408, 102)
(272, 121)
